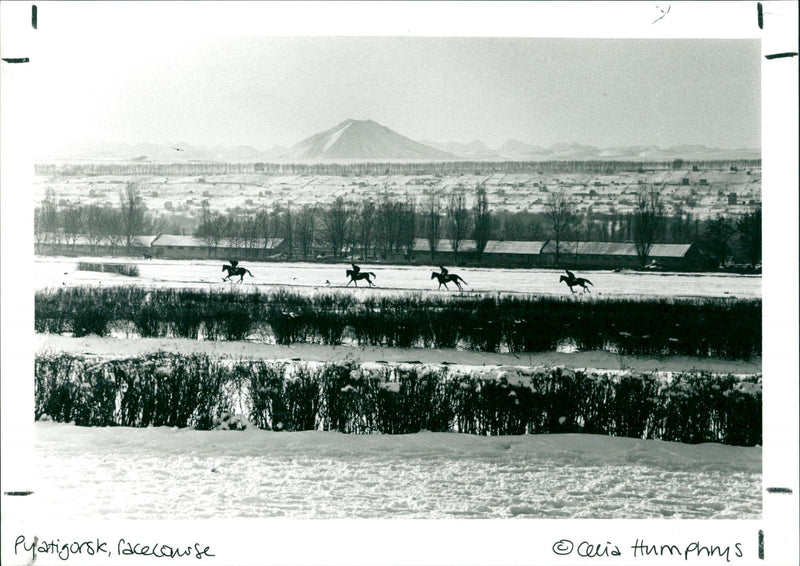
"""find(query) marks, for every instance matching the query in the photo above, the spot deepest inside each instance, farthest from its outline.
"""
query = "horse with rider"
(233, 270)
(355, 275)
(443, 276)
(572, 281)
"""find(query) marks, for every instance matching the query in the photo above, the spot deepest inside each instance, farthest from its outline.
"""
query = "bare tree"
(680, 226)
(93, 224)
(580, 231)
(132, 214)
(275, 221)
(482, 221)
(433, 222)
(522, 225)
(719, 234)
(338, 219)
(388, 228)
(247, 233)
(210, 229)
(40, 233)
(266, 229)
(289, 221)
(408, 226)
(366, 227)
(233, 230)
(158, 224)
(306, 224)
(112, 221)
(648, 215)
(749, 228)
(72, 221)
(459, 221)
(560, 211)
(46, 221)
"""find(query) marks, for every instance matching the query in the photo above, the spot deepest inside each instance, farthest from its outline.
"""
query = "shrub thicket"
(728, 328)
(127, 269)
(195, 390)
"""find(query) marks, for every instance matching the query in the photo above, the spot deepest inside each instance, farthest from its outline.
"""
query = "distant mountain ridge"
(516, 150)
(150, 152)
(366, 140)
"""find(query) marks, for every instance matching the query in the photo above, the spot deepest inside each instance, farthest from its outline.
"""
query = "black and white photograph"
(355, 276)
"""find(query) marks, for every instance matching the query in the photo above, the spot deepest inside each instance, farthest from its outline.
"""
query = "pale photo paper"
(399, 283)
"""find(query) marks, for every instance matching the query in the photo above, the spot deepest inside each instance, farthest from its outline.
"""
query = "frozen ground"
(392, 279)
(164, 473)
(115, 347)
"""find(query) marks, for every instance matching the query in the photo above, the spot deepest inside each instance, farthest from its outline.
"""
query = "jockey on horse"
(233, 270)
(445, 277)
(356, 275)
(573, 281)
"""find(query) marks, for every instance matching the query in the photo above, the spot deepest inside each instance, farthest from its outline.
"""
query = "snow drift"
(166, 473)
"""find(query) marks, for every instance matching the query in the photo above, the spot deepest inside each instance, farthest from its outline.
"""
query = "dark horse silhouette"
(146, 255)
(576, 282)
(444, 279)
(356, 276)
(233, 271)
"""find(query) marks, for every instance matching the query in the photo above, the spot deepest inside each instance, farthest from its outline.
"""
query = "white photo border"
(429, 542)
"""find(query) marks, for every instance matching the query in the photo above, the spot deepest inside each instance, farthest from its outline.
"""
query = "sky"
(229, 90)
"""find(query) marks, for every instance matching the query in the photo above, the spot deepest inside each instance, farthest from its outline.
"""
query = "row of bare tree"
(456, 167)
(368, 229)
(383, 228)
(97, 224)
(388, 227)
(723, 237)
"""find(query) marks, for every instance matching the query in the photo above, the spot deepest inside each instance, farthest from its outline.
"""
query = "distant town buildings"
(182, 192)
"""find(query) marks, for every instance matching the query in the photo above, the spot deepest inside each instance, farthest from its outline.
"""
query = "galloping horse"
(576, 282)
(356, 276)
(233, 270)
(445, 278)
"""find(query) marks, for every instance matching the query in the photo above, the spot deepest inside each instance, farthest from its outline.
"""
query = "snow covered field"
(393, 279)
(164, 473)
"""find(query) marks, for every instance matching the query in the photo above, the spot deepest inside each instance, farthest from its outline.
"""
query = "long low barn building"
(497, 252)
(81, 245)
(513, 253)
(612, 255)
(170, 246)
(587, 255)
(444, 251)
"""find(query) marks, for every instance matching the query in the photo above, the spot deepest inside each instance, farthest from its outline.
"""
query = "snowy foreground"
(164, 473)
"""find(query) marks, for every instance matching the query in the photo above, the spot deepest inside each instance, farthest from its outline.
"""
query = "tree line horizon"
(458, 167)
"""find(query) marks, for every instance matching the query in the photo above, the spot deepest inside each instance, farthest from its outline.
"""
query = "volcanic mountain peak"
(363, 139)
